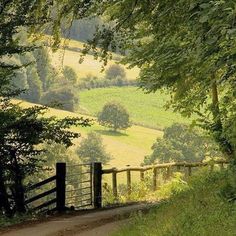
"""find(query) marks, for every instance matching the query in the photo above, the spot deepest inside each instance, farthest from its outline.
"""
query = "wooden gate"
(72, 187)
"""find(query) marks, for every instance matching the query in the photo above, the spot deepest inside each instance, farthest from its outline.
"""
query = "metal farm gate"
(72, 187)
(79, 186)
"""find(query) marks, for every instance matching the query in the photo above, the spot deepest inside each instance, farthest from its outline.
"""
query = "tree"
(45, 70)
(83, 29)
(70, 74)
(18, 80)
(91, 149)
(114, 116)
(21, 134)
(23, 130)
(34, 92)
(115, 71)
(180, 143)
(186, 47)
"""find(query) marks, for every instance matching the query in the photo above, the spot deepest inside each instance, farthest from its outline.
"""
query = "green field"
(145, 109)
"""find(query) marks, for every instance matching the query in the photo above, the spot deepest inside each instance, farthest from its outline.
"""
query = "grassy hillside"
(127, 148)
(144, 109)
(196, 208)
(71, 56)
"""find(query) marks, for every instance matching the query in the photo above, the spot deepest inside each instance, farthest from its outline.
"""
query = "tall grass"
(200, 208)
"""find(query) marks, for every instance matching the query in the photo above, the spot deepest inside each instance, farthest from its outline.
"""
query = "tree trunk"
(4, 201)
(18, 187)
(217, 127)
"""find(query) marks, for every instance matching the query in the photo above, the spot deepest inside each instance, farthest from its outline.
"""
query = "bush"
(70, 75)
(114, 116)
(91, 149)
(63, 97)
(180, 143)
(115, 71)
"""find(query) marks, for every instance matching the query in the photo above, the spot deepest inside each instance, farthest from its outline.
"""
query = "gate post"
(97, 184)
(61, 186)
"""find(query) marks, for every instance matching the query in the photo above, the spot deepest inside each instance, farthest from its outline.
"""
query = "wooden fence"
(167, 167)
(58, 182)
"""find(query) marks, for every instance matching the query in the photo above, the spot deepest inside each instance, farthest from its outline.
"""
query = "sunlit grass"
(144, 109)
(70, 56)
(196, 210)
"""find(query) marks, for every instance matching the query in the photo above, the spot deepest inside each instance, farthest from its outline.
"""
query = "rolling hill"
(145, 109)
(127, 147)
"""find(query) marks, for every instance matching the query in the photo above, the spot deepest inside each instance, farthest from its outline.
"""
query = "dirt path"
(104, 230)
(103, 221)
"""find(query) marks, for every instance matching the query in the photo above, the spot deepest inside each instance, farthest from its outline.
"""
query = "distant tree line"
(115, 75)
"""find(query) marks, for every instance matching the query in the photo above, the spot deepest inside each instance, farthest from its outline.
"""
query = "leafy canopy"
(114, 116)
(179, 144)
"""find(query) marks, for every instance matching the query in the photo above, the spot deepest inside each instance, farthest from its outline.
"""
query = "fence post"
(178, 168)
(142, 175)
(61, 186)
(168, 172)
(114, 183)
(154, 179)
(221, 166)
(97, 184)
(128, 182)
(212, 166)
(189, 171)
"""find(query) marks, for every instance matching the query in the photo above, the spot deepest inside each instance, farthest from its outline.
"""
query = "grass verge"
(200, 208)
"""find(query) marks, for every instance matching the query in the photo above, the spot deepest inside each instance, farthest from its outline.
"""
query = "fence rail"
(164, 165)
(167, 166)
(58, 188)
(37, 185)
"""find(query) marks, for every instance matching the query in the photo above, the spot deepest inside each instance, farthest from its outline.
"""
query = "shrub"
(91, 82)
(63, 97)
(114, 116)
(115, 71)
